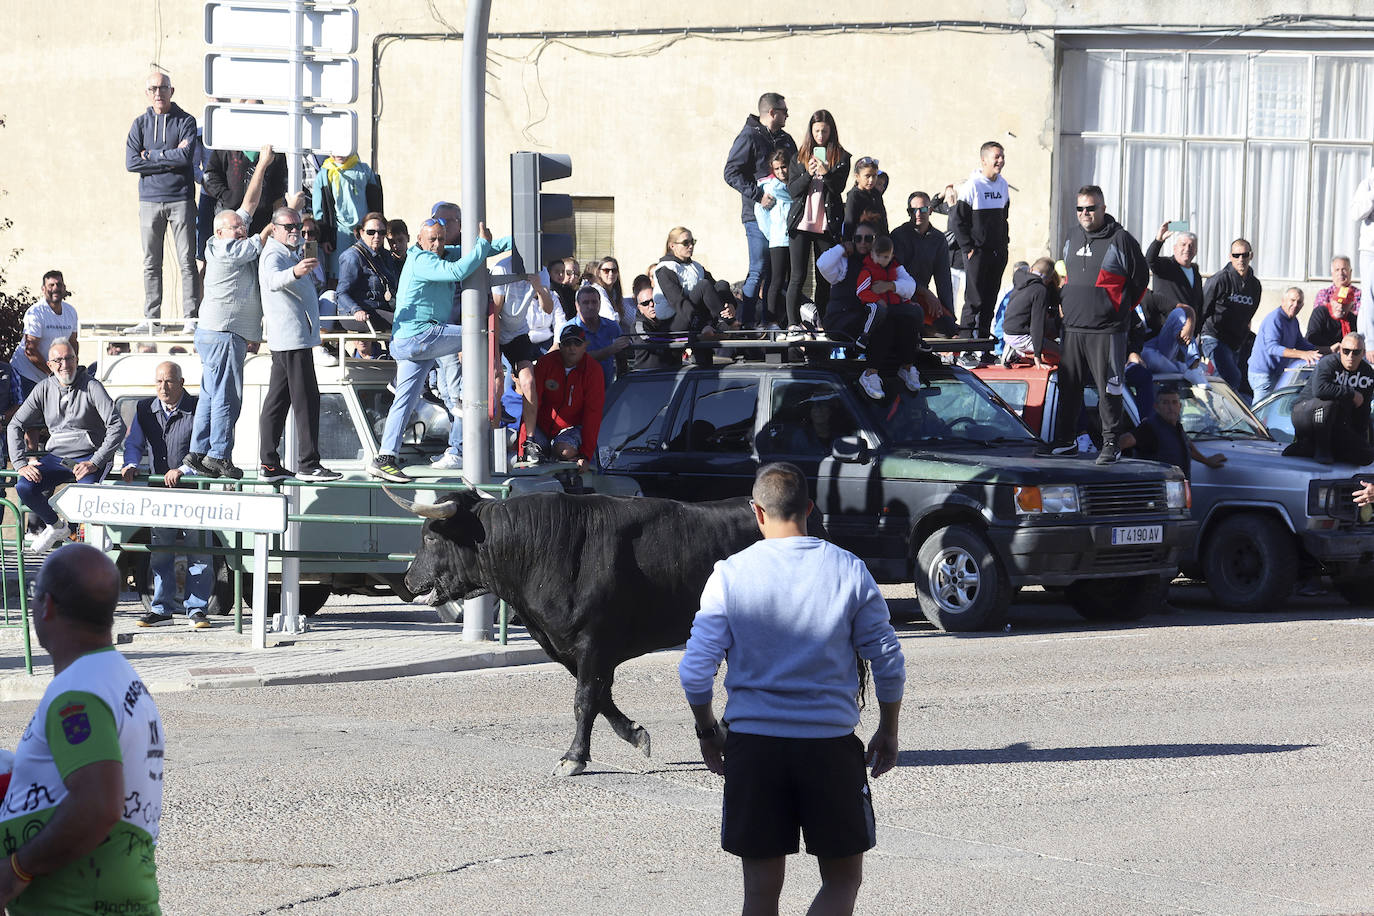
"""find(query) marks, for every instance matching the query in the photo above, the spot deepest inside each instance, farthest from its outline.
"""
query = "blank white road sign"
(246, 127)
(267, 26)
(241, 76)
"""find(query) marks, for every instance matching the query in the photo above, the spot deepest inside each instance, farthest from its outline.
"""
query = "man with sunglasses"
(161, 150)
(924, 251)
(1278, 345)
(84, 429)
(1331, 415)
(1229, 300)
(1107, 276)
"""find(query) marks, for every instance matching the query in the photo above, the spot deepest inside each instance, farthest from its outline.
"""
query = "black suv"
(938, 486)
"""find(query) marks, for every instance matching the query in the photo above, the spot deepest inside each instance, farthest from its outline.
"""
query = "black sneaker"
(274, 473)
(318, 472)
(384, 467)
(199, 621)
(1057, 451)
(534, 452)
(1109, 454)
(196, 462)
(153, 618)
(221, 467)
(969, 360)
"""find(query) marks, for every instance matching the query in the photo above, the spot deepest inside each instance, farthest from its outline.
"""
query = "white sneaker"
(447, 462)
(910, 377)
(48, 538)
(188, 327)
(143, 327)
(872, 385)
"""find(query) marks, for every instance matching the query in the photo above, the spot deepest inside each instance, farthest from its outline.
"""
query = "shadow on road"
(1024, 753)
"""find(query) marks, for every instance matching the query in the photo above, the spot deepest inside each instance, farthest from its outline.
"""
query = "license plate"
(1138, 534)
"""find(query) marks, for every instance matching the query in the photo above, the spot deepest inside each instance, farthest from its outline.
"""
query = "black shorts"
(777, 786)
(520, 350)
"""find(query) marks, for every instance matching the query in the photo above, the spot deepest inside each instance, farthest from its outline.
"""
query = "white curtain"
(1342, 99)
(1090, 91)
(1278, 97)
(1216, 95)
(1087, 160)
(1276, 198)
(1336, 171)
(1154, 93)
(1154, 184)
(1213, 182)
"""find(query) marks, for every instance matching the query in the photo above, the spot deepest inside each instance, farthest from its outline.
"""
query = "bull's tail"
(863, 679)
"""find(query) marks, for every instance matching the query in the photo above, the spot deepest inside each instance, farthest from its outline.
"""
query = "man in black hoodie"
(1229, 299)
(760, 137)
(1107, 277)
(161, 150)
(1331, 415)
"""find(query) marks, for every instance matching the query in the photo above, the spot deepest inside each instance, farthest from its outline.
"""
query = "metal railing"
(12, 550)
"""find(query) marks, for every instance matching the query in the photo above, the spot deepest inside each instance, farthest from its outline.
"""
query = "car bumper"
(1059, 555)
(1339, 546)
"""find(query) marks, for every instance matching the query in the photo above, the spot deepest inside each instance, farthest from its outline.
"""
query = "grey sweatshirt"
(81, 420)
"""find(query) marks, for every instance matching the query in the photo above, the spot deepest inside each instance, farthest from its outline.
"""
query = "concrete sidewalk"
(351, 639)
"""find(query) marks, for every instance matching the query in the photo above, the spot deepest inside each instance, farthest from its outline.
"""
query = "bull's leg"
(586, 704)
(622, 724)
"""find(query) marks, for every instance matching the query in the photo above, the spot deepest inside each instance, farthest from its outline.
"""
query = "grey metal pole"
(296, 102)
(291, 539)
(477, 613)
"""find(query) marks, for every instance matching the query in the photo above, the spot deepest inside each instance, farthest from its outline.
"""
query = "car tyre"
(1358, 591)
(1251, 562)
(1118, 600)
(959, 581)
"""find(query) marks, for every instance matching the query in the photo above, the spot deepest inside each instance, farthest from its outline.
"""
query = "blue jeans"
(198, 577)
(1225, 359)
(55, 473)
(415, 356)
(221, 392)
(758, 271)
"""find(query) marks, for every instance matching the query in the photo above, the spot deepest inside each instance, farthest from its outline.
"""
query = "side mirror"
(850, 449)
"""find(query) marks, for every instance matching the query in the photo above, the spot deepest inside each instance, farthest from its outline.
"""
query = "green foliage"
(12, 302)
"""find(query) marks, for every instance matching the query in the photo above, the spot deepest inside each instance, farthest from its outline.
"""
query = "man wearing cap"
(569, 393)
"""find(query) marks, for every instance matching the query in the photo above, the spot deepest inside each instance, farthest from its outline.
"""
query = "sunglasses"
(1086, 209)
(1241, 254)
(373, 232)
(310, 233)
(914, 210)
(864, 237)
(289, 227)
(866, 162)
(686, 243)
(610, 270)
(1349, 352)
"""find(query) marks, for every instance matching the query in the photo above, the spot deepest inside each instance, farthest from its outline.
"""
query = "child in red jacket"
(880, 267)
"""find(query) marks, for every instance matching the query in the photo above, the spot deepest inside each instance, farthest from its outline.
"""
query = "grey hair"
(1185, 235)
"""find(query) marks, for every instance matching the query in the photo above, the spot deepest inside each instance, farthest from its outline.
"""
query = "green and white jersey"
(97, 709)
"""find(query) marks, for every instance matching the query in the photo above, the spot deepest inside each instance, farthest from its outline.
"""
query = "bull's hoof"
(642, 741)
(568, 767)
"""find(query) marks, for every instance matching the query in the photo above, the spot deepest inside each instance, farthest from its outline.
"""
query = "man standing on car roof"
(1107, 277)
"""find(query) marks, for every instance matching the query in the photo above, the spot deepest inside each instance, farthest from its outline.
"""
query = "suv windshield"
(1214, 411)
(948, 408)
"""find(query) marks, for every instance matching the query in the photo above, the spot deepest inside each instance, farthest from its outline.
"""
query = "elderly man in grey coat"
(291, 320)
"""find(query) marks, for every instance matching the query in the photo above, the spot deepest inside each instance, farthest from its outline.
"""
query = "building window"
(1266, 144)
(593, 228)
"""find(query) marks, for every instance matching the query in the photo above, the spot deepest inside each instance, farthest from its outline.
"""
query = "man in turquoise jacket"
(422, 332)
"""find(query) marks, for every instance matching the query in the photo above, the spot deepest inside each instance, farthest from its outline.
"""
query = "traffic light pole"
(477, 441)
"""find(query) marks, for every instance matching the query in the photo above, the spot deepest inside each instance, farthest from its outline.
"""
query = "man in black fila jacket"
(1107, 276)
(1331, 415)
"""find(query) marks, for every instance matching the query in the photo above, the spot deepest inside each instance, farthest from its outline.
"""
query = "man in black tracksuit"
(1229, 299)
(1331, 415)
(760, 137)
(979, 221)
(1107, 278)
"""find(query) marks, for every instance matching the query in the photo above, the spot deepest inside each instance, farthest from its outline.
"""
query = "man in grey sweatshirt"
(791, 615)
(84, 429)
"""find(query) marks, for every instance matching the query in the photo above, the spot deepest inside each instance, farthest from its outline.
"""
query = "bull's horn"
(445, 509)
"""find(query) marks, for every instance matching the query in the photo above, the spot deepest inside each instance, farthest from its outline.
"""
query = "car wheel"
(1356, 590)
(959, 582)
(313, 597)
(1251, 562)
(1116, 599)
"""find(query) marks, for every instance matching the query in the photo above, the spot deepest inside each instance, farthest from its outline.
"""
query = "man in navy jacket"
(760, 137)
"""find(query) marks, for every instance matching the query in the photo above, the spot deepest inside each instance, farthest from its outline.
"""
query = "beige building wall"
(647, 119)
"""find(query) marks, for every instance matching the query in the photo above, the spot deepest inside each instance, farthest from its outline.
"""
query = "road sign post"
(261, 515)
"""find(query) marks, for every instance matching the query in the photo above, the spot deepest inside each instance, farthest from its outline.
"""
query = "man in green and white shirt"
(79, 824)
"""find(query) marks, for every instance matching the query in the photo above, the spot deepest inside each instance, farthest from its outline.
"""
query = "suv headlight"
(1177, 494)
(1049, 500)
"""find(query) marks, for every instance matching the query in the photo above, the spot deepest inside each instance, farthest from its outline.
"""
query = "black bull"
(595, 579)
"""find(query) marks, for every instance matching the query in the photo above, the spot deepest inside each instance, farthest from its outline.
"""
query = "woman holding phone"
(816, 182)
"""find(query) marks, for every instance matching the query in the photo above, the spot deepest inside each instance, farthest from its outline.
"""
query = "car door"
(633, 438)
(709, 451)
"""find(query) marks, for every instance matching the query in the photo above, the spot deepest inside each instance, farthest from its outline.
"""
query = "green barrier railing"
(12, 549)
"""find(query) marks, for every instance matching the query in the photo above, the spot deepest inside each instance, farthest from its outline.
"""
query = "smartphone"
(310, 249)
(1178, 225)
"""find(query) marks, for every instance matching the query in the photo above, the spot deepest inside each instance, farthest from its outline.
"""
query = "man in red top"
(569, 394)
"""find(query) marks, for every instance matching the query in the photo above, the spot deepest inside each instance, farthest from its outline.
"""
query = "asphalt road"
(1203, 763)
